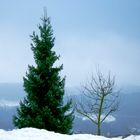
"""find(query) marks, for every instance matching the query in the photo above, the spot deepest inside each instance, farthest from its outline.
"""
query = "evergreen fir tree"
(43, 105)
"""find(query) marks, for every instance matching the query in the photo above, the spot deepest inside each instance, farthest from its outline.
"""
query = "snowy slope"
(36, 134)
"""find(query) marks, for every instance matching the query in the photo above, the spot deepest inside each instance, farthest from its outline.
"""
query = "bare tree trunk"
(99, 130)
(99, 116)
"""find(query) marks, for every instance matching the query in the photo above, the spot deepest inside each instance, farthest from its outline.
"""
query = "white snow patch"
(109, 119)
(37, 134)
(7, 103)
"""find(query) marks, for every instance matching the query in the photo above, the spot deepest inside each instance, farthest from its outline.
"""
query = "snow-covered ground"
(37, 134)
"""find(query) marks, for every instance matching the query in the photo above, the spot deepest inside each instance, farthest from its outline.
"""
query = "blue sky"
(104, 33)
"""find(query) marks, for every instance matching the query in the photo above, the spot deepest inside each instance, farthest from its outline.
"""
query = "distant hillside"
(127, 119)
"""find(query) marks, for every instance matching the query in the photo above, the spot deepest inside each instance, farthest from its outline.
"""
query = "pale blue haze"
(88, 33)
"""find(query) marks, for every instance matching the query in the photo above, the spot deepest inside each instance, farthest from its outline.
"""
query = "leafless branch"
(102, 99)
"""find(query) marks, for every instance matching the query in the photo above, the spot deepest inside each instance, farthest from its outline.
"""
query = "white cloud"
(15, 54)
(111, 51)
(80, 54)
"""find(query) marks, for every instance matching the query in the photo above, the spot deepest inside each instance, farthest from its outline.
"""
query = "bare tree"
(100, 99)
